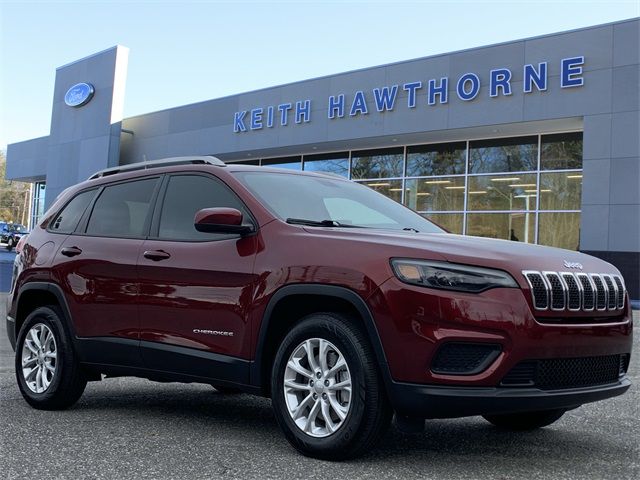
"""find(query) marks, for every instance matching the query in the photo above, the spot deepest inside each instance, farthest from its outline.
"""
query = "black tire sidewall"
(51, 318)
(325, 327)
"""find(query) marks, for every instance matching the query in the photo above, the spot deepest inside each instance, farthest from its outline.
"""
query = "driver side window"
(185, 195)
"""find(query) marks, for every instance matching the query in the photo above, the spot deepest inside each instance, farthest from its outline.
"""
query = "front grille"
(464, 358)
(559, 373)
(560, 291)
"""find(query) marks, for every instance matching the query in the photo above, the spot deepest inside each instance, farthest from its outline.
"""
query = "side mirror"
(220, 220)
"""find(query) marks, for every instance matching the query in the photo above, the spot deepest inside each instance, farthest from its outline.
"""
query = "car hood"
(513, 257)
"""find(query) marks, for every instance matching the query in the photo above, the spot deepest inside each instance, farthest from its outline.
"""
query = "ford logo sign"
(79, 94)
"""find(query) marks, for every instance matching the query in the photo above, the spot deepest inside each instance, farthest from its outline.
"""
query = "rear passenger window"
(185, 195)
(121, 210)
(67, 220)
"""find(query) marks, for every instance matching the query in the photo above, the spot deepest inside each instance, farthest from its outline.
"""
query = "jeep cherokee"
(341, 305)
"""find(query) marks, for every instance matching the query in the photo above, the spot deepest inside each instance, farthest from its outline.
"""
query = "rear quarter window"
(67, 220)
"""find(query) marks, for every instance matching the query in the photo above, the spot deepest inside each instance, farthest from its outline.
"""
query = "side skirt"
(114, 356)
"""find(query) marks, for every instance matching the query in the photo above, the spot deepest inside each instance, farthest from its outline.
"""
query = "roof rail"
(165, 162)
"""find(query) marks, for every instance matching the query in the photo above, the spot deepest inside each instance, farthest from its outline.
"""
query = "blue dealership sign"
(78, 95)
(428, 92)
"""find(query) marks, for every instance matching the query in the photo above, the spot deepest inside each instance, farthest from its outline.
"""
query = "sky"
(183, 52)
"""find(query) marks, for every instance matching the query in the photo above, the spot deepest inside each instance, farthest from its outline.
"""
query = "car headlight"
(450, 276)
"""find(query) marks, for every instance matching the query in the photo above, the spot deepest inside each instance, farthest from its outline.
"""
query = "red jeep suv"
(340, 304)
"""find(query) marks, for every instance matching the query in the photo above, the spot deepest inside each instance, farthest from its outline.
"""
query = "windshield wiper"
(411, 229)
(320, 223)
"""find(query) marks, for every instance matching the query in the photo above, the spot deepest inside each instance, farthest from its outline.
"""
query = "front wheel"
(10, 244)
(526, 420)
(327, 393)
(47, 369)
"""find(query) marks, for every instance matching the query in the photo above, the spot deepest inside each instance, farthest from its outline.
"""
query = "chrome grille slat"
(588, 292)
(562, 291)
(539, 289)
(574, 293)
(612, 292)
(621, 290)
(557, 292)
(601, 292)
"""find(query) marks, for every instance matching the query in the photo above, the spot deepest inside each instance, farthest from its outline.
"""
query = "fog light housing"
(462, 358)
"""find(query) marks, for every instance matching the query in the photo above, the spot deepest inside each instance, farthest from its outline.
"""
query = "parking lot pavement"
(132, 428)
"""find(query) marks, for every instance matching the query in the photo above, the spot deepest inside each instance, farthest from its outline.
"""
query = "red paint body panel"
(204, 286)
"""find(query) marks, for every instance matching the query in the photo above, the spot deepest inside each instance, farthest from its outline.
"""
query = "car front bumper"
(435, 401)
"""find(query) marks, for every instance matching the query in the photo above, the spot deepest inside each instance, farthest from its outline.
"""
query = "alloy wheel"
(317, 387)
(39, 358)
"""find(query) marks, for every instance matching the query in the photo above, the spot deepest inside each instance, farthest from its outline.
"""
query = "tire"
(525, 421)
(61, 388)
(357, 420)
(10, 244)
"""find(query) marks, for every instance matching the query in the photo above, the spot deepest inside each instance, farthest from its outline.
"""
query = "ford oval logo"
(79, 94)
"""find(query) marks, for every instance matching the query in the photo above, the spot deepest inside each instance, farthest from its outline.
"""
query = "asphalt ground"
(132, 428)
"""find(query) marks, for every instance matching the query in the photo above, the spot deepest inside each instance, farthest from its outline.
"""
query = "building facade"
(535, 140)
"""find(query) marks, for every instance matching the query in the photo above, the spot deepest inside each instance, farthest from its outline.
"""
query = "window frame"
(154, 227)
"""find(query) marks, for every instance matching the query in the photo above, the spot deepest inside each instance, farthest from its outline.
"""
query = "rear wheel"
(327, 393)
(526, 420)
(47, 369)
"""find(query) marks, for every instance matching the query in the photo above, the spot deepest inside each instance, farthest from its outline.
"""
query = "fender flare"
(342, 293)
(57, 292)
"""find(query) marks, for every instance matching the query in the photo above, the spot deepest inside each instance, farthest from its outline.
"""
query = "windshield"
(335, 202)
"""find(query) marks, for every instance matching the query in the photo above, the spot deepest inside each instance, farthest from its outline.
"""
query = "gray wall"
(82, 140)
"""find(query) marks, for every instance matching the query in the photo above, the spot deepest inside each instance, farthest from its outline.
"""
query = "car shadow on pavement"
(468, 441)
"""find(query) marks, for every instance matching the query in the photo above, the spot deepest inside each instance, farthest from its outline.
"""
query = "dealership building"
(535, 140)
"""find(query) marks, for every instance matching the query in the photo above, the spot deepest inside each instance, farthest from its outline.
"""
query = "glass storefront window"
(526, 188)
(337, 163)
(390, 188)
(382, 163)
(451, 222)
(561, 151)
(502, 192)
(437, 159)
(518, 227)
(435, 194)
(560, 191)
(503, 155)
(292, 163)
(559, 229)
(37, 203)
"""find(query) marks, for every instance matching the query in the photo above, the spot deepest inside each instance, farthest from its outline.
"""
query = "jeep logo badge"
(577, 265)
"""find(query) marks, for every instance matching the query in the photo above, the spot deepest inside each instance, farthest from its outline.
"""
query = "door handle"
(156, 255)
(70, 251)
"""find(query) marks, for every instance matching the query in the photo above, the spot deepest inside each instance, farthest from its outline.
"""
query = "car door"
(195, 287)
(96, 268)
